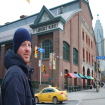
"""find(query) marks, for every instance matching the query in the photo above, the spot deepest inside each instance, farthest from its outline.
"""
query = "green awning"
(81, 76)
(90, 77)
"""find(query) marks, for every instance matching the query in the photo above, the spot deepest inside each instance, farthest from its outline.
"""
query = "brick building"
(65, 30)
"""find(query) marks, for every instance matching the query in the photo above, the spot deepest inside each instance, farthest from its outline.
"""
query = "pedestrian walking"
(104, 85)
(94, 85)
(16, 87)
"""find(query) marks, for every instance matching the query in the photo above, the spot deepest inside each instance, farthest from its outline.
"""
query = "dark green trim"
(44, 9)
(6, 42)
(41, 33)
(75, 56)
(63, 4)
(55, 20)
(48, 46)
(66, 51)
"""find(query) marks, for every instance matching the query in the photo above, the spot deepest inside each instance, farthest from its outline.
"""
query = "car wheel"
(60, 102)
(36, 100)
(55, 100)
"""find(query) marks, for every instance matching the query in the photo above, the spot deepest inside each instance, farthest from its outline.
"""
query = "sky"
(11, 10)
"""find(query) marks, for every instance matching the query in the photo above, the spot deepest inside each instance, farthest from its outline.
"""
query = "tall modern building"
(99, 36)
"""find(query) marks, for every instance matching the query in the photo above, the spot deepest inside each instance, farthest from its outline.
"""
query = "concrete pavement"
(88, 97)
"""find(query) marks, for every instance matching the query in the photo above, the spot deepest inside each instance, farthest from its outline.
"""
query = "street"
(69, 102)
(84, 97)
(93, 97)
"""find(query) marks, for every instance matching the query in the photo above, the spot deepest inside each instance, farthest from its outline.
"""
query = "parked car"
(51, 94)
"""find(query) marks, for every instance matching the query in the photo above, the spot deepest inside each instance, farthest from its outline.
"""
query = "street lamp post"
(97, 87)
(52, 71)
(40, 65)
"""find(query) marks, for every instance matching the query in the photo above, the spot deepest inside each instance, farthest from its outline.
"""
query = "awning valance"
(96, 78)
(81, 76)
(77, 76)
(71, 75)
(90, 77)
(86, 77)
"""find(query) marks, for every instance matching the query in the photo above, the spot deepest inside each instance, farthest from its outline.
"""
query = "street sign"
(41, 50)
(45, 75)
(100, 57)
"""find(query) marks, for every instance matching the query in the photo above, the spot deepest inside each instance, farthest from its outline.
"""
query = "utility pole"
(40, 65)
(97, 87)
(52, 70)
(40, 61)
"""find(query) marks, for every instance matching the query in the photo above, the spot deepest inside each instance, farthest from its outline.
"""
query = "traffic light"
(99, 70)
(43, 67)
(36, 52)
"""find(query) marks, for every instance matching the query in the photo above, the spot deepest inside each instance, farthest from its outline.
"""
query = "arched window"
(91, 44)
(83, 54)
(83, 34)
(47, 45)
(87, 56)
(75, 56)
(66, 51)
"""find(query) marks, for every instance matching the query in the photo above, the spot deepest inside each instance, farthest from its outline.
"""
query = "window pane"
(66, 51)
(75, 56)
(47, 45)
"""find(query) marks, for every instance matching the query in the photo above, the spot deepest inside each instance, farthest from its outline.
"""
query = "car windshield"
(58, 89)
(48, 90)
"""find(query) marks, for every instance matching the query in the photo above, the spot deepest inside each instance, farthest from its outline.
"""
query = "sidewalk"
(88, 97)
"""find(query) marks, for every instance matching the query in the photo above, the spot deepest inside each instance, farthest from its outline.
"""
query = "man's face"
(25, 51)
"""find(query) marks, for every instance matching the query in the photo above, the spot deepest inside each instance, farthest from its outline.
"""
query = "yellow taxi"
(51, 94)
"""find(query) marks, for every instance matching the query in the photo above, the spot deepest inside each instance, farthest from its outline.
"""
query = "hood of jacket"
(13, 59)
